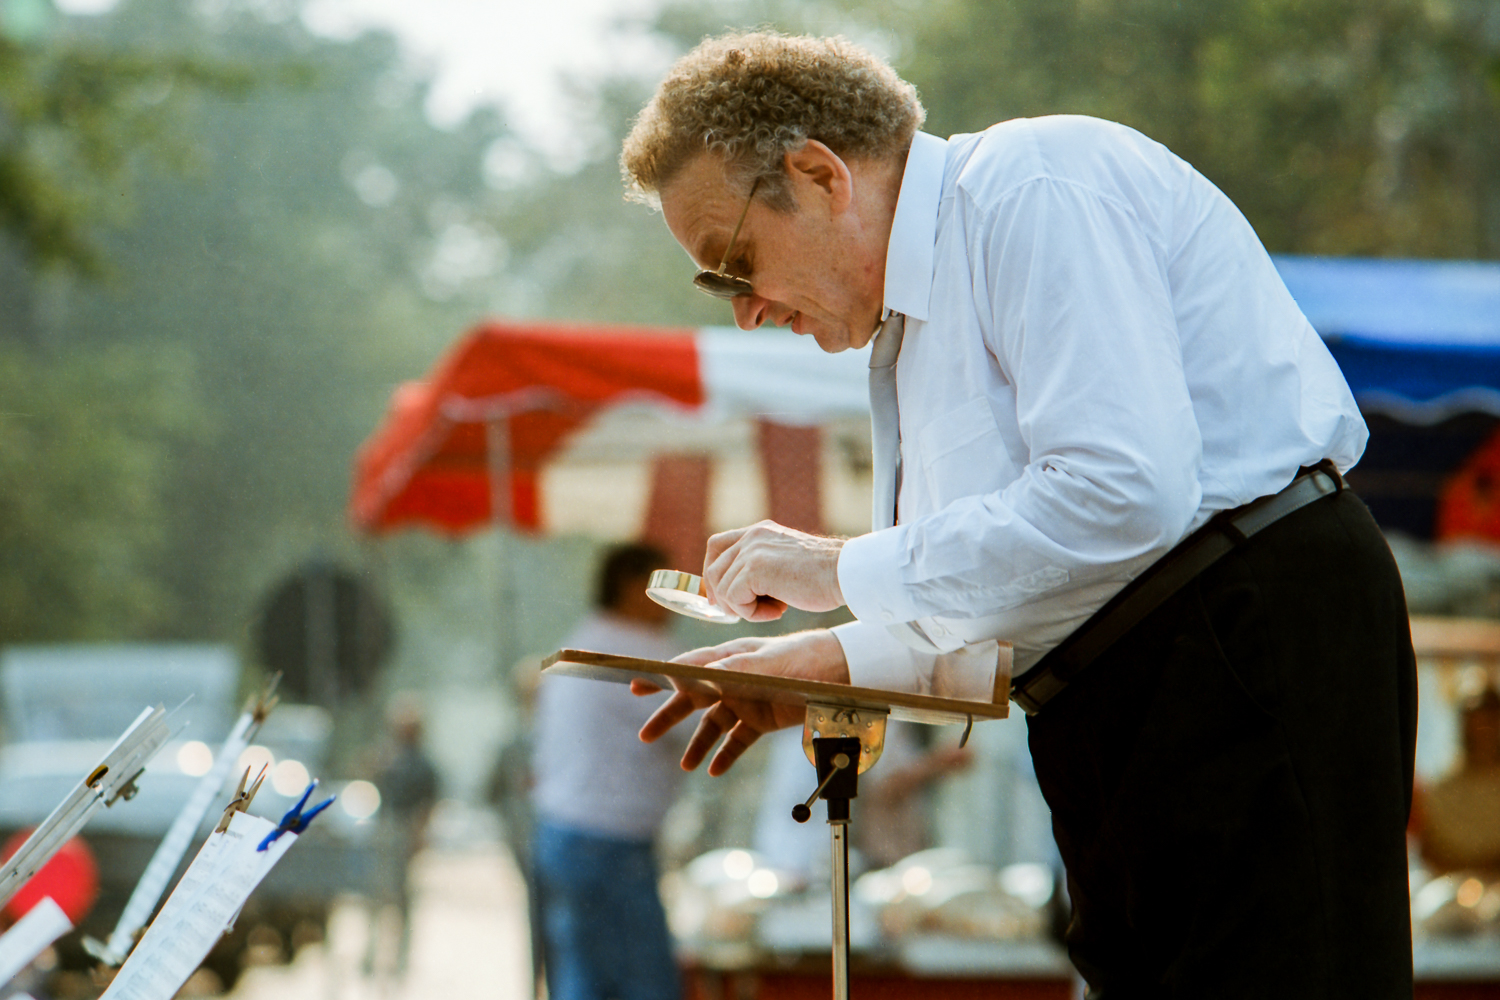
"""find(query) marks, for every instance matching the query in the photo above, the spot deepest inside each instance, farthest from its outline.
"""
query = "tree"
(321, 243)
(84, 449)
(85, 442)
(1338, 126)
(76, 117)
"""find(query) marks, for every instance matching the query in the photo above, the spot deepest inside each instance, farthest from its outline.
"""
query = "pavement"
(469, 940)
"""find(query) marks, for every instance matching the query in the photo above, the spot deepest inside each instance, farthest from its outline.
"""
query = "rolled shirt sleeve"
(878, 659)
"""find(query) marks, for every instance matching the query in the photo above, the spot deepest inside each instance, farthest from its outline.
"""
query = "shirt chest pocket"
(962, 454)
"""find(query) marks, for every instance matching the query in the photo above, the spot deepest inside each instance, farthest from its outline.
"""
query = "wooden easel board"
(786, 690)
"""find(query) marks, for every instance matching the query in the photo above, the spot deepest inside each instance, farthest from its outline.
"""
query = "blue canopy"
(1417, 340)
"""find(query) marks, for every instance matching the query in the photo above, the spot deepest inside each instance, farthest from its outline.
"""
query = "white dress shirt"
(1098, 355)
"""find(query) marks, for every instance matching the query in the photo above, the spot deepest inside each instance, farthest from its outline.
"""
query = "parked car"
(64, 705)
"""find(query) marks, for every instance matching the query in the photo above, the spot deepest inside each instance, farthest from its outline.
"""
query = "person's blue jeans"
(605, 929)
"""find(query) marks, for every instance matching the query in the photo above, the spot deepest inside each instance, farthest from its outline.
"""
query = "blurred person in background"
(1105, 433)
(599, 796)
(508, 790)
(895, 814)
(409, 787)
(1457, 820)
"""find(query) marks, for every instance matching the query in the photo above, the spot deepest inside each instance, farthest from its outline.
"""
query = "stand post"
(840, 843)
(837, 760)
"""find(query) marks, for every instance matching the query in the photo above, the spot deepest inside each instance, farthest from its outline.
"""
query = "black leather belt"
(1163, 578)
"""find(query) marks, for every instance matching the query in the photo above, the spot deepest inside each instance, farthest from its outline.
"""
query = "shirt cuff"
(879, 660)
(969, 674)
(869, 579)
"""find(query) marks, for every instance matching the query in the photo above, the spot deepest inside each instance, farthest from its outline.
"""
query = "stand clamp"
(867, 725)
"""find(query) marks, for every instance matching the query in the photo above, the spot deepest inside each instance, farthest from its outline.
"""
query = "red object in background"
(501, 402)
(792, 458)
(71, 878)
(677, 511)
(1469, 502)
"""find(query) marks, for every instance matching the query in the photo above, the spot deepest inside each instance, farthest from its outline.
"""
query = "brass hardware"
(864, 724)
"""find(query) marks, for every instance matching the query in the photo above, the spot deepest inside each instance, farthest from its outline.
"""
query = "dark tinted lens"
(721, 285)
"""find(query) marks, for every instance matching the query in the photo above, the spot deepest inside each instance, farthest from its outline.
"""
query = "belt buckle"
(1028, 704)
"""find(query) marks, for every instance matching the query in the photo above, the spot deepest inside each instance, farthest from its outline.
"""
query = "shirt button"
(886, 616)
(939, 630)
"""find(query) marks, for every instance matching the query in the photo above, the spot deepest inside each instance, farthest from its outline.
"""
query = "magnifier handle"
(802, 812)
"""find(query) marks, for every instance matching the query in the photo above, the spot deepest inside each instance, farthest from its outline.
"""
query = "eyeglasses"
(717, 283)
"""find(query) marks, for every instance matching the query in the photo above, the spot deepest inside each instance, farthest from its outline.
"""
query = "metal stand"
(855, 739)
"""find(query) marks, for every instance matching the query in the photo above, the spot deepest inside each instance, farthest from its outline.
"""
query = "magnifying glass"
(683, 593)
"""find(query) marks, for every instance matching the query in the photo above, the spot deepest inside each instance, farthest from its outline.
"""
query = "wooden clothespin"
(242, 798)
(262, 705)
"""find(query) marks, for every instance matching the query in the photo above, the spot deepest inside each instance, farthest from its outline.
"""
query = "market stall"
(1419, 344)
(464, 448)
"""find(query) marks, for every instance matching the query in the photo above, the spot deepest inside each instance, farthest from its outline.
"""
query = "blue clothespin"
(295, 820)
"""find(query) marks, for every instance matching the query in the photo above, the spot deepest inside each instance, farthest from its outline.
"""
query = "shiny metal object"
(864, 724)
(683, 593)
(840, 846)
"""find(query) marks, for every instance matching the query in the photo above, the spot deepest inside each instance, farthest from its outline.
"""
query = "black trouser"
(1230, 782)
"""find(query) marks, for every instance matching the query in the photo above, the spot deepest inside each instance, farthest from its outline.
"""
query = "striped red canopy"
(508, 395)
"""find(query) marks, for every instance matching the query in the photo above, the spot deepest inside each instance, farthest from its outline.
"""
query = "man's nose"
(750, 311)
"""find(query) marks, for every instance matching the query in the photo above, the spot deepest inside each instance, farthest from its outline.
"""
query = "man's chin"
(830, 341)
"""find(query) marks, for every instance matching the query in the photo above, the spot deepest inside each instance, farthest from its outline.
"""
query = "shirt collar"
(908, 257)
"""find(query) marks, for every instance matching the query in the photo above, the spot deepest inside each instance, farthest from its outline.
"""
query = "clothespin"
(242, 798)
(261, 706)
(295, 820)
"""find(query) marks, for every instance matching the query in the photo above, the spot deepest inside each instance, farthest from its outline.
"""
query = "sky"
(513, 53)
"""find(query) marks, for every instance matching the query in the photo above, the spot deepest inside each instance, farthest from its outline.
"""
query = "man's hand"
(815, 655)
(757, 571)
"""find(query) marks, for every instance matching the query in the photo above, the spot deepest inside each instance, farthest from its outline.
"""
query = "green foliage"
(295, 266)
(580, 251)
(73, 119)
(84, 451)
(1338, 126)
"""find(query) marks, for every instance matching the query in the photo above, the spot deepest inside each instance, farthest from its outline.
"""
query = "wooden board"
(786, 690)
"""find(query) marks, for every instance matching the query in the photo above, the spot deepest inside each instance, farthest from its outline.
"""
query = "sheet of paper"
(44, 923)
(124, 762)
(211, 892)
(174, 845)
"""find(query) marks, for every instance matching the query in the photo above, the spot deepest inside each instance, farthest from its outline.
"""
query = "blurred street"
(468, 940)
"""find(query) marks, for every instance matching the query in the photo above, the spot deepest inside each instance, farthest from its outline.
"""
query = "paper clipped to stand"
(211, 892)
(153, 881)
(44, 923)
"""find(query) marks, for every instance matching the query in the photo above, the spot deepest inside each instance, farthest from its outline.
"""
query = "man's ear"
(818, 171)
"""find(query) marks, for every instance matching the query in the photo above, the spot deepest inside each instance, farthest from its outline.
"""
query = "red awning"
(499, 404)
(509, 395)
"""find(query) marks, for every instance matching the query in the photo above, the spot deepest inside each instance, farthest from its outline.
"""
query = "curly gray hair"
(751, 98)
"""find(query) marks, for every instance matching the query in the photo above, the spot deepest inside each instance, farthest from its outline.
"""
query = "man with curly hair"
(1105, 434)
